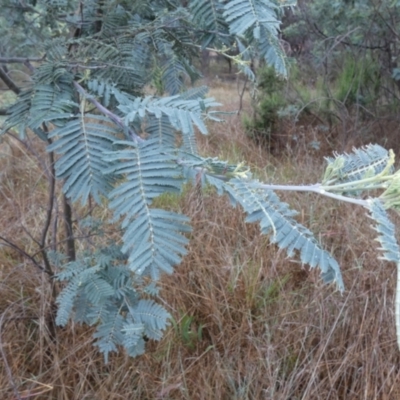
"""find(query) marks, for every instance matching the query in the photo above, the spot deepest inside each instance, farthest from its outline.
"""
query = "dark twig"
(50, 205)
(8, 81)
(339, 40)
(79, 237)
(29, 66)
(22, 60)
(241, 94)
(69, 233)
(54, 228)
(24, 253)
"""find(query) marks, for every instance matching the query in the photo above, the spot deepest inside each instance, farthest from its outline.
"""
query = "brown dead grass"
(261, 326)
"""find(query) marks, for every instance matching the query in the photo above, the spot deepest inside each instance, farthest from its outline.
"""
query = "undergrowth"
(248, 322)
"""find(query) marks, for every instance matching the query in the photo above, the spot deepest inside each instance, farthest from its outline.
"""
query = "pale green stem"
(317, 188)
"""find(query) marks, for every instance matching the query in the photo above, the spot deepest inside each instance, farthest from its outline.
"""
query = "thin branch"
(50, 176)
(69, 233)
(22, 252)
(54, 228)
(319, 189)
(361, 46)
(79, 237)
(22, 60)
(29, 66)
(50, 205)
(117, 120)
(241, 94)
(213, 32)
(338, 40)
(8, 81)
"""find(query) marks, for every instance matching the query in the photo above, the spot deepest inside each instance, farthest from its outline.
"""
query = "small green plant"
(358, 82)
(268, 293)
(188, 331)
(269, 101)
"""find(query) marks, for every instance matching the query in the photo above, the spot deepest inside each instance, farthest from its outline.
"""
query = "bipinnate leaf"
(361, 163)
(276, 220)
(153, 238)
(82, 143)
(389, 247)
(258, 20)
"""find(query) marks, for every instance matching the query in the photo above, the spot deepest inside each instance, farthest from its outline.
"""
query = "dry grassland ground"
(248, 322)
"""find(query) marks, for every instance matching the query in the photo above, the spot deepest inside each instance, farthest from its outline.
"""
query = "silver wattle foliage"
(123, 148)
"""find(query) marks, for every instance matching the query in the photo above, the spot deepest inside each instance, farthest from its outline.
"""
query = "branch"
(8, 81)
(213, 32)
(79, 237)
(3, 111)
(50, 173)
(361, 46)
(69, 233)
(22, 60)
(50, 205)
(117, 120)
(317, 188)
(25, 254)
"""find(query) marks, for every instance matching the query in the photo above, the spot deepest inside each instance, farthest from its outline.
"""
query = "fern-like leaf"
(183, 114)
(162, 129)
(133, 338)
(125, 70)
(40, 104)
(109, 331)
(50, 103)
(209, 16)
(152, 237)
(258, 19)
(66, 300)
(386, 231)
(153, 317)
(103, 89)
(73, 273)
(389, 247)
(270, 49)
(81, 143)
(174, 73)
(276, 219)
(82, 280)
(194, 93)
(98, 290)
(19, 112)
(360, 164)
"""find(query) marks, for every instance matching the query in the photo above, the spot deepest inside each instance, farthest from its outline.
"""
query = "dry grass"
(249, 323)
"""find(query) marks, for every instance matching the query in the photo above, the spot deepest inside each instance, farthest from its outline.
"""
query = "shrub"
(269, 101)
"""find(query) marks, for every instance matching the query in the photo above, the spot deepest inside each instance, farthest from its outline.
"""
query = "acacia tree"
(111, 143)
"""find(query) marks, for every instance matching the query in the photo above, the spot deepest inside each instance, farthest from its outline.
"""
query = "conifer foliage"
(88, 100)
